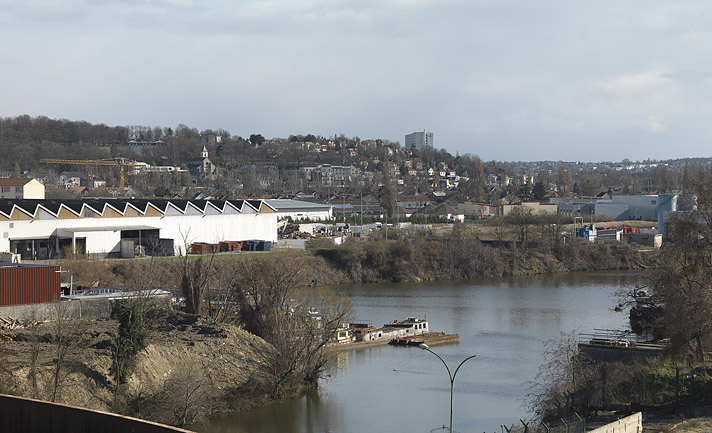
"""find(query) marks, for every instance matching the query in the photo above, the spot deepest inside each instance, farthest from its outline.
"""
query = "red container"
(28, 284)
(198, 248)
(203, 248)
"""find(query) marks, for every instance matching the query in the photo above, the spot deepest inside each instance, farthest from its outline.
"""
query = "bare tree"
(297, 321)
(221, 295)
(561, 378)
(182, 398)
(7, 380)
(522, 219)
(34, 356)
(563, 181)
(500, 229)
(684, 280)
(66, 329)
(389, 192)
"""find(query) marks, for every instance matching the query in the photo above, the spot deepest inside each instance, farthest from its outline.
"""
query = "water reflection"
(504, 321)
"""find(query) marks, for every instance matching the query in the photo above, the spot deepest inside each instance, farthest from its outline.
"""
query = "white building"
(21, 189)
(419, 140)
(69, 179)
(301, 210)
(618, 207)
(418, 201)
(41, 228)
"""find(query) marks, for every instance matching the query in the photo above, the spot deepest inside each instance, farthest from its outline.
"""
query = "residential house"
(69, 179)
(418, 201)
(476, 210)
(21, 188)
(78, 191)
(446, 211)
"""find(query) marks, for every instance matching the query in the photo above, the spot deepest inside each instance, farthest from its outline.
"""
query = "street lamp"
(452, 376)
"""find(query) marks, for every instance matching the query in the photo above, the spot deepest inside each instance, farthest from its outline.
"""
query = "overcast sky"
(506, 80)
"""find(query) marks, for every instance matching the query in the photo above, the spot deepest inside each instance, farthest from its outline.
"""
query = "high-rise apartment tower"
(419, 140)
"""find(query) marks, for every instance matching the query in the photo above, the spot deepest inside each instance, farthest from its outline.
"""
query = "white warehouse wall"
(182, 229)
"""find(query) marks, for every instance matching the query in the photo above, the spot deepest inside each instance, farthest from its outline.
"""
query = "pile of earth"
(191, 365)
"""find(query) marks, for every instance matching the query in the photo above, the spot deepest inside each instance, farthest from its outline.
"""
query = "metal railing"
(618, 338)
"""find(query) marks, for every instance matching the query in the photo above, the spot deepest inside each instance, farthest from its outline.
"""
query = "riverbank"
(224, 366)
(410, 260)
(400, 259)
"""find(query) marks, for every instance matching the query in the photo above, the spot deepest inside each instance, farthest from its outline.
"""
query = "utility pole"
(361, 235)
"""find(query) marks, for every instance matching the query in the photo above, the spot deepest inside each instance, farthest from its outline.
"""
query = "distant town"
(75, 160)
(316, 211)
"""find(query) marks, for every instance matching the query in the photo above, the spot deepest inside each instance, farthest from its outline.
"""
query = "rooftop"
(14, 181)
(284, 204)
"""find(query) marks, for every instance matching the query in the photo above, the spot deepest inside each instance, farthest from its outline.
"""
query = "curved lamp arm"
(452, 376)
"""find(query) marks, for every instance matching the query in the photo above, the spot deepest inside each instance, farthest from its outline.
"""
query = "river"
(506, 322)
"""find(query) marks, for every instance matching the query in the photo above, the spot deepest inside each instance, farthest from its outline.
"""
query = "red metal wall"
(20, 285)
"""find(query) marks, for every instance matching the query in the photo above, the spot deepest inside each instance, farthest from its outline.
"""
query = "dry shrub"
(185, 396)
(7, 380)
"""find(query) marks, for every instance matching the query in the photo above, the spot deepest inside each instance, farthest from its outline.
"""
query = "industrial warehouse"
(40, 229)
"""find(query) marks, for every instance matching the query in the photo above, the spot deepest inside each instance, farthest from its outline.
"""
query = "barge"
(413, 329)
(430, 339)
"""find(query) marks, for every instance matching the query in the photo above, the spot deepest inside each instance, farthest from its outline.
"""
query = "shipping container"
(230, 246)
(203, 248)
(198, 248)
(22, 284)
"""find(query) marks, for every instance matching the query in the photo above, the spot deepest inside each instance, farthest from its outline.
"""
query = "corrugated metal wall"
(28, 285)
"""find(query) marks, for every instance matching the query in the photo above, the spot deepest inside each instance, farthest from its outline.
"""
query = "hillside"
(184, 352)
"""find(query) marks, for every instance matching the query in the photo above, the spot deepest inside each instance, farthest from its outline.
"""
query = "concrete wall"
(536, 207)
(615, 211)
(99, 308)
(25, 415)
(642, 207)
(629, 424)
(623, 354)
(647, 239)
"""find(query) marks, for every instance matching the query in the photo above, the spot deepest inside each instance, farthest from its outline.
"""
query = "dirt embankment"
(677, 425)
(190, 366)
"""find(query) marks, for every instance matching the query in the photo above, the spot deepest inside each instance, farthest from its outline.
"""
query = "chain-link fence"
(574, 424)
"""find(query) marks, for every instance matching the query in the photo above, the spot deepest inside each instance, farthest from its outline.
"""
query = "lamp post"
(450, 374)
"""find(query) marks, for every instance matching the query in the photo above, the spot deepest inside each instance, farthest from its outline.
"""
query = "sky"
(506, 80)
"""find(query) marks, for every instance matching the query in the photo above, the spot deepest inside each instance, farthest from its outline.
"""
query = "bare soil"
(692, 425)
(181, 348)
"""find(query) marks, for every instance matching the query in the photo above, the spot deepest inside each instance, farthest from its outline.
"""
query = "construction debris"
(8, 323)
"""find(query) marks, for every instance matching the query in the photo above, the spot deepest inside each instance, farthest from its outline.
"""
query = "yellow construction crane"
(120, 162)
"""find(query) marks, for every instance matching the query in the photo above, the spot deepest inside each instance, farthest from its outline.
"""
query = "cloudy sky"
(506, 80)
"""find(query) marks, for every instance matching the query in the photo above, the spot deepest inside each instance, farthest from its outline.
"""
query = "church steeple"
(204, 152)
